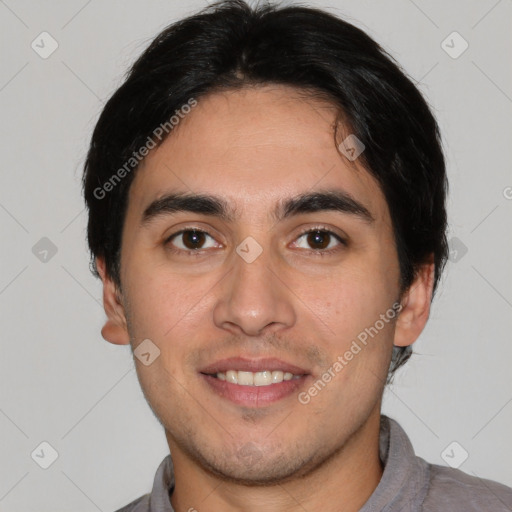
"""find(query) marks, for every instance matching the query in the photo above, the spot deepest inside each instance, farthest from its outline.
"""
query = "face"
(258, 294)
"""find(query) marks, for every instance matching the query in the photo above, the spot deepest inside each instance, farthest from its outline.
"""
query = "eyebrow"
(308, 202)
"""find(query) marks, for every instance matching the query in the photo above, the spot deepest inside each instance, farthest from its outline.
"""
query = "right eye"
(188, 240)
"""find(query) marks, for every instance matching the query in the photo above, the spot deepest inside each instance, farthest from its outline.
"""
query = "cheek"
(169, 310)
(156, 293)
(356, 299)
(357, 307)
(166, 312)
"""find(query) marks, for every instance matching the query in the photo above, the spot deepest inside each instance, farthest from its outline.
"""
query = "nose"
(253, 298)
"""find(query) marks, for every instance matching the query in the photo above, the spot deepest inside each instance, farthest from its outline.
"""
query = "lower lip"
(254, 396)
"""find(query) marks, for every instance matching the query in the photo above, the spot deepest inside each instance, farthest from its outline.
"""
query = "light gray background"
(62, 383)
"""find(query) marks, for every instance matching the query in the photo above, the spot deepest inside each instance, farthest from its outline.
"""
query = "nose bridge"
(252, 296)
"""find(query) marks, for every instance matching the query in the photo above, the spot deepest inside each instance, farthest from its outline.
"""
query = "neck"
(349, 478)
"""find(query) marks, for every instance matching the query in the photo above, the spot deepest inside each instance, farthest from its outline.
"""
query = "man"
(266, 197)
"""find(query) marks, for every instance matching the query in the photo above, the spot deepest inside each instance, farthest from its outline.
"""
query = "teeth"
(277, 376)
(232, 376)
(245, 378)
(264, 378)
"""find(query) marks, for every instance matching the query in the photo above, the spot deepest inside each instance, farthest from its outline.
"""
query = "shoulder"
(452, 489)
(139, 505)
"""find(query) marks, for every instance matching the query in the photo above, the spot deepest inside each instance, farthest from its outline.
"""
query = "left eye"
(321, 238)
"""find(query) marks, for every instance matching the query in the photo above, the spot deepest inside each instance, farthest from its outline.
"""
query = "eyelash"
(199, 252)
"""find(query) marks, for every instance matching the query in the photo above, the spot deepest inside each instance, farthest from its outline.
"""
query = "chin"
(252, 466)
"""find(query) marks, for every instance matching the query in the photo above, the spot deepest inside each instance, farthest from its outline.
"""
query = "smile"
(264, 378)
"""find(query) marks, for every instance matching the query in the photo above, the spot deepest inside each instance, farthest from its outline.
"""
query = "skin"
(255, 147)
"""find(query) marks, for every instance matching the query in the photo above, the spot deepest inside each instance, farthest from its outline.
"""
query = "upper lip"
(252, 365)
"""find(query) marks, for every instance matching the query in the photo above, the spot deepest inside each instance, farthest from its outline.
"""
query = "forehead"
(254, 147)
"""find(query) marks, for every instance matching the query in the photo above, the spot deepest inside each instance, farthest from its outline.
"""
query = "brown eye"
(319, 240)
(191, 239)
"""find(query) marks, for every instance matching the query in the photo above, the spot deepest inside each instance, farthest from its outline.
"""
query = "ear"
(115, 329)
(415, 306)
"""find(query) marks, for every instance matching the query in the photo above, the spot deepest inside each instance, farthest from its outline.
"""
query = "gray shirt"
(408, 484)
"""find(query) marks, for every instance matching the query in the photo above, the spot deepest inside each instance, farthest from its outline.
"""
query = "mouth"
(264, 378)
(253, 383)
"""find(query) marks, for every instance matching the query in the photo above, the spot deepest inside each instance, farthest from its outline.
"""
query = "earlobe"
(415, 307)
(115, 329)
